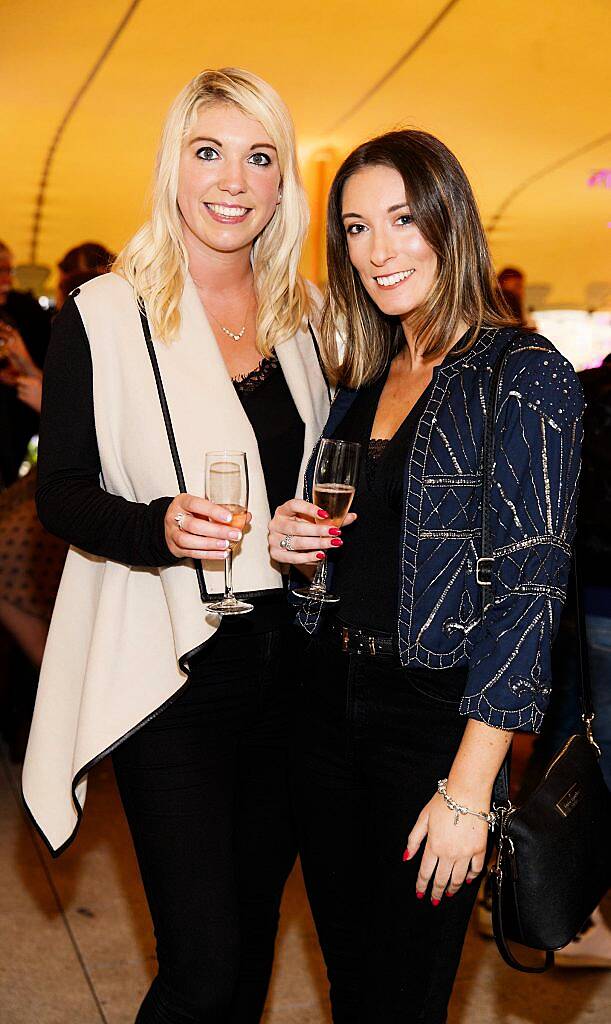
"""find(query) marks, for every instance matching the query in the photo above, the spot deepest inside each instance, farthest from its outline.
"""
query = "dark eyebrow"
(264, 145)
(391, 209)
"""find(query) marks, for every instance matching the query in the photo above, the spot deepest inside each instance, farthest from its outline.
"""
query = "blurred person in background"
(512, 283)
(81, 264)
(194, 710)
(31, 559)
(24, 334)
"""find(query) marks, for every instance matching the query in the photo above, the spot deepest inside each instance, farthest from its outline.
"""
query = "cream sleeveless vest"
(118, 632)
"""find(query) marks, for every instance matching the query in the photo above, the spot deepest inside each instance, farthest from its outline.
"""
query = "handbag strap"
(583, 657)
(167, 419)
(486, 560)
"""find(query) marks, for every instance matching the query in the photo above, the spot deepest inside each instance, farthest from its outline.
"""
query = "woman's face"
(229, 179)
(393, 260)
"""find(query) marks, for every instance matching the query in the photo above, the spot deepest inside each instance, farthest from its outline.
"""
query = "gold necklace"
(226, 330)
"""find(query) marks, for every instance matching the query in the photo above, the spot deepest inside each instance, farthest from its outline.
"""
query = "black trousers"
(205, 790)
(373, 739)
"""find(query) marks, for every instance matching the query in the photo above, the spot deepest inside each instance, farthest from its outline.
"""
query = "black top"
(17, 421)
(278, 427)
(366, 573)
(71, 502)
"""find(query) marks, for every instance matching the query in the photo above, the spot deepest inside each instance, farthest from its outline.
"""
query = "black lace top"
(367, 567)
(278, 427)
(248, 382)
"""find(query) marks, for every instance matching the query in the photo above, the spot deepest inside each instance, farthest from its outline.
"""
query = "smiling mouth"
(391, 280)
(227, 214)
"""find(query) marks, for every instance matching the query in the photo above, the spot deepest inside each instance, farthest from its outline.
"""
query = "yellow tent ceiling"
(519, 90)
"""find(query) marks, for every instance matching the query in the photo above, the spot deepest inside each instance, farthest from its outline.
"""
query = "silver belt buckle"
(480, 567)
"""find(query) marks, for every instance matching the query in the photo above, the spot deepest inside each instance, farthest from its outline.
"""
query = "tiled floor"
(75, 944)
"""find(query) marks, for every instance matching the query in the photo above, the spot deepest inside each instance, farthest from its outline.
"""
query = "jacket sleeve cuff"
(478, 707)
(157, 511)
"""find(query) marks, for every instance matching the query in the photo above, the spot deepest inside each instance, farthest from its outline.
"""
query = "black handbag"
(553, 861)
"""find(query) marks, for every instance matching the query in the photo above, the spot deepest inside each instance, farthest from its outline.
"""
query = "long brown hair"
(358, 340)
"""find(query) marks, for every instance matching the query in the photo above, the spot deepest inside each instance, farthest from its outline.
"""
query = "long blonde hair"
(466, 289)
(155, 260)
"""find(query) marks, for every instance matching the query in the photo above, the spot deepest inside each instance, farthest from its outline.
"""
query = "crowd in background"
(31, 560)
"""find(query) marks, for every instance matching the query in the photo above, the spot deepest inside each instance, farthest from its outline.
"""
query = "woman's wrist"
(475, 793)
(474, 770)
(458, 808)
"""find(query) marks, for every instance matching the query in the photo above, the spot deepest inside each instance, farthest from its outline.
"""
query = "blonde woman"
(195, 714)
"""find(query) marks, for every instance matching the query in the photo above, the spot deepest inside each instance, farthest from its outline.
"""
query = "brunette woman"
(200, 340)
(411, 693)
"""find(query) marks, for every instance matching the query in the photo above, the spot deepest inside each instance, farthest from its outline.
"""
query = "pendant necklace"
(225, 330)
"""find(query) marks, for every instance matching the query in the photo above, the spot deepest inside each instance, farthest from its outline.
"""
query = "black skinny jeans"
(373, 739)
(205, 790)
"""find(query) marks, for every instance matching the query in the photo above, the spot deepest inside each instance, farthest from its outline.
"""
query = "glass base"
(229, 606)
(315, 595)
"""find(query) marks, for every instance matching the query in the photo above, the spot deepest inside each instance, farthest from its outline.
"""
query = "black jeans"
(205, 790)
(373, 739)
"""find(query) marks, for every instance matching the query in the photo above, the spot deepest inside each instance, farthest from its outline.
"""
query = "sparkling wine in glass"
(335, 477)
(227, 485)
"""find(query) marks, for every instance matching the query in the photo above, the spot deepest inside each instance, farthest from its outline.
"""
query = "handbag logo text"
(569, 801)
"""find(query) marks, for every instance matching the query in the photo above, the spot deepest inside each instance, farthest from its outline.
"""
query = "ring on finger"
(287, 542)
(180, 519)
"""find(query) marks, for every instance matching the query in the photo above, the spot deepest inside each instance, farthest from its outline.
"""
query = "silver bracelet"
(489, 817)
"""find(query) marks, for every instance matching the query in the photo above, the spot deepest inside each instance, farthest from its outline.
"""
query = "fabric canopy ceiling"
(520, 91)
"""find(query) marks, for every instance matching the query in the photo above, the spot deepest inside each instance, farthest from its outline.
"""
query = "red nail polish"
(336, 543)
(334, 532)
(320, 555)
(419, 895)
(323, 515)
(435, 902)
(468, 881)
(449, 895)
(406, 855)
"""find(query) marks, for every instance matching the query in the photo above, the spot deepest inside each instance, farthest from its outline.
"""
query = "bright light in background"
(583, 338)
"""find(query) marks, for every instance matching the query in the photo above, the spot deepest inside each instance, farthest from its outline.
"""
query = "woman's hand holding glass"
(309, 530)
(203, 531)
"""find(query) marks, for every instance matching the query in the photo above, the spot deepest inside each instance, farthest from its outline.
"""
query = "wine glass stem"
(229, 595)
(319, 582)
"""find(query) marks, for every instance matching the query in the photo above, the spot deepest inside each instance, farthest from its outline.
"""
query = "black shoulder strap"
(320, 362)
(583, 657)
(201, 582)
(486, 559)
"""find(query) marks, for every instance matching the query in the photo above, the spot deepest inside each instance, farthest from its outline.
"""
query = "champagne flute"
(227, 485)
(335, 478)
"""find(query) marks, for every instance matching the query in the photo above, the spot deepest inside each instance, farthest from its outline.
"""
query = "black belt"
(358, 641)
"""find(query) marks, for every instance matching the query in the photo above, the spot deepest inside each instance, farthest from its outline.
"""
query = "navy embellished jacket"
(534, 496)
